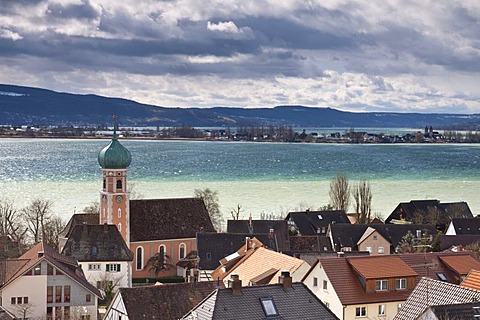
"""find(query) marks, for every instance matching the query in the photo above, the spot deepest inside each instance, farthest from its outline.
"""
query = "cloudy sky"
(385, 55)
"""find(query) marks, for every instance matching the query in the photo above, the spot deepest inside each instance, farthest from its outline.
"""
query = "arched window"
(182, 248)
(161, 256)
(119, 227)
(104, 183)
(139, 258)
(119, 184)
(119, 213)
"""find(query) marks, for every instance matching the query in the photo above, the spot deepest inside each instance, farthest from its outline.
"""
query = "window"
(94, 250)
(119, 184)
(119, 213)
(13, 300)
(442, 276)
(66, 312)
(374, 237)
(119, 227)
(94, 266)
(320, 217)
(104, 183)
(139, 258)
(208, 256)
(113, 267)
(49, 270)
(381, 285)
(347, 249)
(327, 304)
(58, 313)
(58, 294)
(269, 307)
(87, 317)
(381, 309)
(401, 284)
(49, 294)
(360, 312)
(399, 306)
(25, 300)
(66, 293)
(315, 281)
(37, 270)
(161, 256)
(19, 300)
(369, 249)
(325, 285)
(419, 233)
(88, 297)
(182, 249)
(381, 250)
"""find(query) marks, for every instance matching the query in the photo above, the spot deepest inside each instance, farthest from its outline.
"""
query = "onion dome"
(114, 156)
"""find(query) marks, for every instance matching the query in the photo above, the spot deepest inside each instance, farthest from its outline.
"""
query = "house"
(375, 238)
(213, 247)
(259, 265)
(279, 229)
(284, 300)
(163, 301)
(371, 286)
(160, 232)
(45, 284)
(463, 226)
(421, 209)
(430, 292)
(76, 219)
(102, 254)
(377, 286)
(457, 311)
(314, 222)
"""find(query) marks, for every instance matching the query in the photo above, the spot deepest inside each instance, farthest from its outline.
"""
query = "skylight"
(442, 276)
(232, 256)
(269, 307)
(320, 217)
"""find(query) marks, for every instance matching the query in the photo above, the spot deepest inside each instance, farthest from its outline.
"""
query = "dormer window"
(269, 307)
(320, 217)
(401, 284)
(381, 285)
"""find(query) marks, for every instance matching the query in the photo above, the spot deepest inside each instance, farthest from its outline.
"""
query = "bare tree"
(362, 196)
(210, 198)
(340, 193)
(235, 212)
(11, 229)
(54, 226)
(93, 207)
(36, 216)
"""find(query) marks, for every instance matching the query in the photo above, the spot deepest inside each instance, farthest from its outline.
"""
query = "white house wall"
(33, 287)
(122, 279)
(329, 296)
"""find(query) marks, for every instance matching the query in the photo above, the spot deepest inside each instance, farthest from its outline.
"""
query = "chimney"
(247, 243)
(236, 285)
(286, 280)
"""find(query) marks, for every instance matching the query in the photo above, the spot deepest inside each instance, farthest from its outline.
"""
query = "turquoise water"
(262, 177)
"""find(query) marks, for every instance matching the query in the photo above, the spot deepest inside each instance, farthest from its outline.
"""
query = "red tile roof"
(374, 267)
(472, 280)
(461, 264)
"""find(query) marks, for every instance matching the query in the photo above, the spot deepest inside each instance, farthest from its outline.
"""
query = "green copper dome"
(114, 156)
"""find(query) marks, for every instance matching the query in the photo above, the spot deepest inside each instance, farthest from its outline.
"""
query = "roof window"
(269, 307)
(442, 276)
(320, 217)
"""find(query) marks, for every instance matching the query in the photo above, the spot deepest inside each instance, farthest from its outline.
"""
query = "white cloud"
(9, 34)
(228, 27)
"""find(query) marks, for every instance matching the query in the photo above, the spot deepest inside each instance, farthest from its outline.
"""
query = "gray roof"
(407, 210)
(298, 303)
(446, 242)
(97, 243)
(309, 222)
(466, 225)
(462, 311)
(76, 219)
(212, 246)
(166, 301)
(255, 227)
(160, 219)
(429, 292)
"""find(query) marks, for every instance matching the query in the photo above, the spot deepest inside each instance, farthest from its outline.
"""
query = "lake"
(261, 177)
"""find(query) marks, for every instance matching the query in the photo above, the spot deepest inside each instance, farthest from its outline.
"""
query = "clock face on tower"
(119, 198)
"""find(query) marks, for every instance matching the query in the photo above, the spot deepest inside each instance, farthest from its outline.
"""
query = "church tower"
(114, 160)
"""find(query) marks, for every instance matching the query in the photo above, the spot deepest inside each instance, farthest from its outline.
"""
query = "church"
(159, 232)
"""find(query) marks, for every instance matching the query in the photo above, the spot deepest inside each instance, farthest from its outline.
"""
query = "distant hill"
(34, 106)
